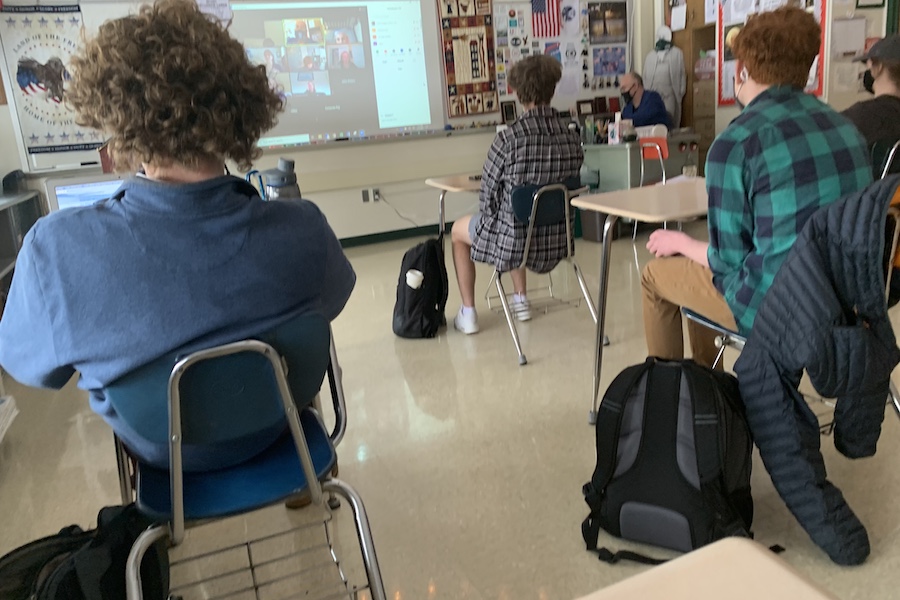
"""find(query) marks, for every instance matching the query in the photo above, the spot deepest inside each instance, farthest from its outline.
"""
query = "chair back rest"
(538, 206)
(885, 159)
(228, 402)
(654, 148)
(551, 201)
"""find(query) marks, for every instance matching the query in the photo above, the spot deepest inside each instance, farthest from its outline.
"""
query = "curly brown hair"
(778, 47)
(534, 79)
(169, 85)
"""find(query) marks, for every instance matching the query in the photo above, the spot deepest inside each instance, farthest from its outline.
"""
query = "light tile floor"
(470, 466)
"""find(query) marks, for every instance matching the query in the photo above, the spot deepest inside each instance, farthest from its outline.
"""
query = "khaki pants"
(668, 284)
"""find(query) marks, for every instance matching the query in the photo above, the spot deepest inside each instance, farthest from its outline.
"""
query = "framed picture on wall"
(508, 110)
(869, 3)
(585, 107)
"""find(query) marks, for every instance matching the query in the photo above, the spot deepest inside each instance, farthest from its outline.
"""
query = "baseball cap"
(884, 49)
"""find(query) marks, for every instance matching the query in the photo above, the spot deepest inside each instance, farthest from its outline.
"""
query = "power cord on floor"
(382, 198)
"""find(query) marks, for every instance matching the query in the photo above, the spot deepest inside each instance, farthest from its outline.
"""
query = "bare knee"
(459, 233)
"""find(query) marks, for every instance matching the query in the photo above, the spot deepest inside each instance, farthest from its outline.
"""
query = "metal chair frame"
(727, 338)
(175, 529)
(335, 376)
(661, 156)
(496, 278)
(890, 159)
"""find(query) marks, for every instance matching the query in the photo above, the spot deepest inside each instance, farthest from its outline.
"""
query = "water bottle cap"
(282, 175)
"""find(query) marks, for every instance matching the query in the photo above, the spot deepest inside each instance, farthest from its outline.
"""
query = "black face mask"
(627, 97)
(868, 81)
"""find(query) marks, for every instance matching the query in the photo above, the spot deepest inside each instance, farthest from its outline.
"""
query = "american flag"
(545, 18)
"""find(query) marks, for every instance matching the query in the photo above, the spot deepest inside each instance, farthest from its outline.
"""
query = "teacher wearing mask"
(644, 107)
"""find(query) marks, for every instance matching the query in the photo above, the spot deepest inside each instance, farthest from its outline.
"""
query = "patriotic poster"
(545, 17)
(608, 22)
(467, 37)
(38, 43)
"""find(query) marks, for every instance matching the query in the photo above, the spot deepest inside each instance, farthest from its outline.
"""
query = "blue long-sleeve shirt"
(159, 268)
(651, 111)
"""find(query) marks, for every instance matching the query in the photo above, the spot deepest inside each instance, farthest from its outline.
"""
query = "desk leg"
(442, 223)
(601, 313)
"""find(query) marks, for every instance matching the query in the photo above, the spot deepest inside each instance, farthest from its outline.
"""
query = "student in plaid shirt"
(537, 149)
(783, 158)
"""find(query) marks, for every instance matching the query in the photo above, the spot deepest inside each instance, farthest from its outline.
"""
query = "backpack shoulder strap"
(706, 396)
(608, 427)
(703, 392)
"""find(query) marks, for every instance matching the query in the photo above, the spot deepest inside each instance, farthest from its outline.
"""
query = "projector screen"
(347, 70)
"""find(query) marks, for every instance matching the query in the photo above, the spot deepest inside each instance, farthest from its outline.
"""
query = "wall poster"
(467, 38)
(38, 42)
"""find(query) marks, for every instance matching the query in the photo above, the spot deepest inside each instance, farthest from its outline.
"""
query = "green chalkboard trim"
(402, 234)
(390, 236)
(893, 16)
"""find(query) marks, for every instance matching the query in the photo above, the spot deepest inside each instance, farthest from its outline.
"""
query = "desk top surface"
(455, 183)
(733, 568)
(677, 200)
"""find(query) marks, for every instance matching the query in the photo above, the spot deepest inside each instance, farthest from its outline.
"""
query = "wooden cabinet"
(698, 106)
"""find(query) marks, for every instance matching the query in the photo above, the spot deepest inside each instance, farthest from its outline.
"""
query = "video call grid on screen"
(346, 70)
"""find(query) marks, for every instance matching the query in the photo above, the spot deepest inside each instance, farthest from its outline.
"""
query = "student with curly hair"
(785, 156)
(537, 149)
(183, 256)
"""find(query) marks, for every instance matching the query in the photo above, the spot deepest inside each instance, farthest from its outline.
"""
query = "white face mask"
(745, 75)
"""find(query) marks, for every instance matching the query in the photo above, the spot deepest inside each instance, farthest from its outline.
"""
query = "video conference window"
(344, 70)
(299, 53)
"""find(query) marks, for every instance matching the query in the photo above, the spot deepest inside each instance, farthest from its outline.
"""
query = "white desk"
(679, 200)
(730, 569)
(452, 183)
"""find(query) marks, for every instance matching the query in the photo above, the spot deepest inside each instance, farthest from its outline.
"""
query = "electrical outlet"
(376, 194)
(365, 195)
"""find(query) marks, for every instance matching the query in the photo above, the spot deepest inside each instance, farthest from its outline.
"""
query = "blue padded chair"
(216, 396)
(538, 206)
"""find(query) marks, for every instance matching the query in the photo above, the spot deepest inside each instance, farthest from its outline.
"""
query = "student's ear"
(739, 72)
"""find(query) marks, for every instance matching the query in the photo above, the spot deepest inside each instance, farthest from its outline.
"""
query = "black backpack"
(673, 459)
(85, 565)
(419, 312)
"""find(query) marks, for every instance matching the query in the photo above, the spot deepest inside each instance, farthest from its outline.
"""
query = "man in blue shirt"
(644, 107)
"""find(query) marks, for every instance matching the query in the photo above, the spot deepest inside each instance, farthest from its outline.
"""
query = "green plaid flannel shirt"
(784, 157)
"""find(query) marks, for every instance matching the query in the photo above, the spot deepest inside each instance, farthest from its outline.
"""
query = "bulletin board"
(732, 16)
(590, 38)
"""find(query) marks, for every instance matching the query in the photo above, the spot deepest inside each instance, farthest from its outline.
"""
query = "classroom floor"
(470, 466)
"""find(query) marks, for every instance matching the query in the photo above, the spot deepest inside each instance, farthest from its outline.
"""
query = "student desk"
(678, 200)
(452, 183)
(732, 569)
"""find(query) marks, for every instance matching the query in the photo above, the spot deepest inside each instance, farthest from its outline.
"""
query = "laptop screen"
(68, 194)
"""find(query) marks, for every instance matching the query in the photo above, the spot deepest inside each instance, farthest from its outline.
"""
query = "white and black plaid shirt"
(537, 149)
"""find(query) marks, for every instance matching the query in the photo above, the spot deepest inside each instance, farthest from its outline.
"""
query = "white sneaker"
(467, 323)
(521, 309)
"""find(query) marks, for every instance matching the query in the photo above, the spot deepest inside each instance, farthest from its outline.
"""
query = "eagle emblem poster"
(38, 43)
